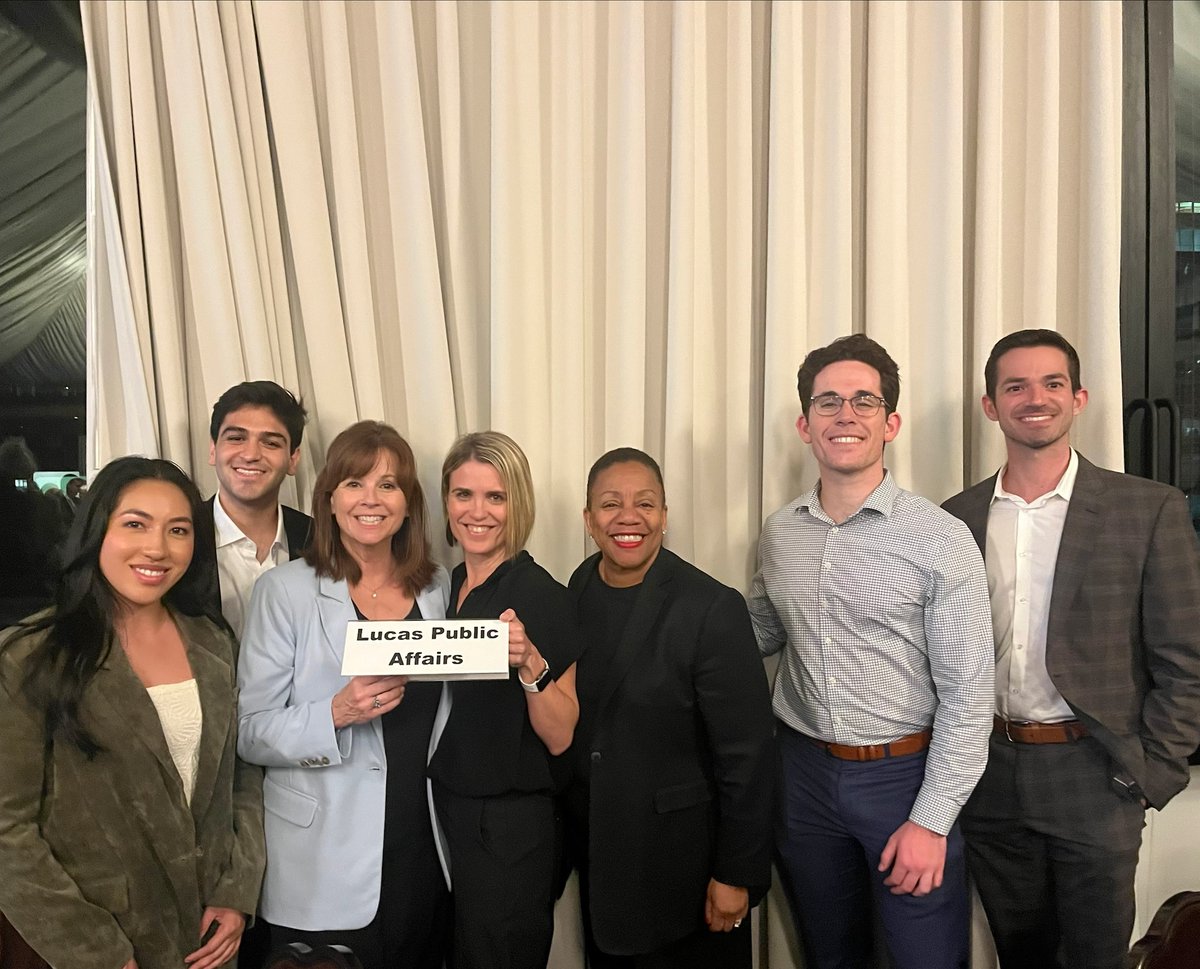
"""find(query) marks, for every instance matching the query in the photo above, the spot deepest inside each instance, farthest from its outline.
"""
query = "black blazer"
(681, 754)
(297, 526)
(1123, 640)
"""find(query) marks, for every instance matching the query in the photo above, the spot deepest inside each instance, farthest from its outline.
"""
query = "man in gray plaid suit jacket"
(1094, 579)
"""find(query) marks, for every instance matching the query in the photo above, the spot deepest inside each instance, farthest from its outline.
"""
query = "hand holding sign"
(521, 652)
(366, 697)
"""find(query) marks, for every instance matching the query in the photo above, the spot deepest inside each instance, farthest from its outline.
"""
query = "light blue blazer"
(324, 789)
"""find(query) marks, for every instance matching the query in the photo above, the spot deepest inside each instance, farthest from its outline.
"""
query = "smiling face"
(477, 511)
(846, 444)
(626, 516)
(1034, 403)
(252, 455)
(370, 508)
(148, 543)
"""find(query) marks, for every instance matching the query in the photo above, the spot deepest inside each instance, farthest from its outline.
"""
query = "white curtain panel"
(595, 224)
(942, 174)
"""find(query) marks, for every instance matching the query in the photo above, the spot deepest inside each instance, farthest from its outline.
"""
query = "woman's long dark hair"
(78, 631)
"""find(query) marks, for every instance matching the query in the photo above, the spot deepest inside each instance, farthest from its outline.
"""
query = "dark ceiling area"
(43, 252)
(43, 244)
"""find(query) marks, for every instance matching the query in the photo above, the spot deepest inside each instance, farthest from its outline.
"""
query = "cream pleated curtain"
(595, 224)
(941, 174)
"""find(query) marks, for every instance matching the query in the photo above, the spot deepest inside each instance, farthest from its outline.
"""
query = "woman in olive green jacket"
(130, 834)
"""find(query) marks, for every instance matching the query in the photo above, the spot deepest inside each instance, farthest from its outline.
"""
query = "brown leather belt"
(1020, 732)
(897, 748)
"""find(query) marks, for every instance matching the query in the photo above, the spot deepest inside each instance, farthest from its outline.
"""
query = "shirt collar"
(228, 532)
(499, 572)
(1064, 489)
(882, 499)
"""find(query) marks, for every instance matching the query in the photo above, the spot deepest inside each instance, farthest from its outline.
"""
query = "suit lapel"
(432, 603)
(298, 528)
(125, 709)
(124, 715)
(206, 550)
(977, 501)
(214, 681)
(1079, 533)
(124, 705)
(335, 609)
(636, 637)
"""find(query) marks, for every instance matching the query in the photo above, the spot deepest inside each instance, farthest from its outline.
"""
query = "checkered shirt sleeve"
(884, 623)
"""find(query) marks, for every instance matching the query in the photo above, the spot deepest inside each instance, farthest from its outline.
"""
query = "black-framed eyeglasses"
(864, 405)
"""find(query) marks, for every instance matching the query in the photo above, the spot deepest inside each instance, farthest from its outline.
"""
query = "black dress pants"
(502, 867)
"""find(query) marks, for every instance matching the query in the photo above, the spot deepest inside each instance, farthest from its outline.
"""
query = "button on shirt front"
(238, 564)
(1022, 551)
(887, 630)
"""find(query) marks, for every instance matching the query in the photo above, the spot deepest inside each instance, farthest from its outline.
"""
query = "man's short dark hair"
(1030, 338)
(262, 393)
(854, 347)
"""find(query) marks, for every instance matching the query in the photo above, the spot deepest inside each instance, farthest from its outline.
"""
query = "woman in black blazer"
(671, 801)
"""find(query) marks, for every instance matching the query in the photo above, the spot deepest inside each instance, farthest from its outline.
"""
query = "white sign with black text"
(428, 649)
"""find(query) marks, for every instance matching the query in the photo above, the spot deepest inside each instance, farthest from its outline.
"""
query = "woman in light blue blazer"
(352, 852)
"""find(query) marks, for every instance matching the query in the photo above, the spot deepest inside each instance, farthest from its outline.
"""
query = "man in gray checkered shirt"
(879, 602)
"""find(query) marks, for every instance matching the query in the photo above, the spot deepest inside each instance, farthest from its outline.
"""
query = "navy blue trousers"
(835, 818)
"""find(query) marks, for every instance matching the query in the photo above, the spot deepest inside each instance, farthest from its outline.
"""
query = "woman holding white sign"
(671, 799)
(493, 773)
(351, 851)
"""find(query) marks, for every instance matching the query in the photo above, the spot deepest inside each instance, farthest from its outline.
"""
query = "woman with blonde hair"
(493, 774)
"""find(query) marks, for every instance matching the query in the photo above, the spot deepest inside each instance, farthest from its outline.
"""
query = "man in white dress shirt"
(256, 430)
(1094, 580)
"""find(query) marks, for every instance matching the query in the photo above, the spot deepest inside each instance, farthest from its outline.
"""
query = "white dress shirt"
(1022, 551)
(238, 564)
